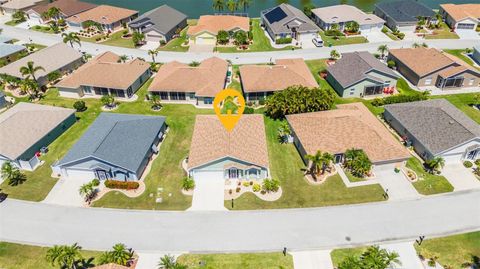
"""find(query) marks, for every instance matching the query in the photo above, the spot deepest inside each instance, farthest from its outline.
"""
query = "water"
(195, 8)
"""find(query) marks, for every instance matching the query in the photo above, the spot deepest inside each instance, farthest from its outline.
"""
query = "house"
(180, 83)
(239, 154)
(67, 9)
(110, 18)
(286, 21)
(429, 67)
(105, 75)
(360, 74)
(160, 24)
(461, 17)
(26, 128)
(9, 52)
(476, 54)
(259, 81)
(59, 57)
(436, 128)
(206, 30)
(12, 6)
(403, 14)
(340, 15)
(349, 126)
(115, 146)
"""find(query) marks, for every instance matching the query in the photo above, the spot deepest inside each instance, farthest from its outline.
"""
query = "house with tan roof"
(206, 30)
(260, 81)
(180, 83)
(461, 17)
(349, 126)
(67, 9)
(12, 6)
(218, 154)
(110, 18)
(429, 67)
(105, 75)
(26, 128)
(325, 17)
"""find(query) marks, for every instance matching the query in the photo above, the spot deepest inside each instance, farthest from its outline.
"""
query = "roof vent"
(451, 122)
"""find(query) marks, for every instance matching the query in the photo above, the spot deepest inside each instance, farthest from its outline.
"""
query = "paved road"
(296, 229)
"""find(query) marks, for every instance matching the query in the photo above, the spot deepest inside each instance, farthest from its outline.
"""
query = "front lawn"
(13, 23)
(237, 261)
(115, 39)
(430, 184)
(338, 255)
(444, 32)
(342, 40)
(176, 43)
(353, 178)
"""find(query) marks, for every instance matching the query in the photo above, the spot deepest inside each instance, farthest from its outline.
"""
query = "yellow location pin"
(229, 105)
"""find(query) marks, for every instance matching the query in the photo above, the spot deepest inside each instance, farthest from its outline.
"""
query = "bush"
(271, 185)
(467, 164)
(261, 102)
(256, 187)
(95, 182)
(384, 30)
(246, 183)
(391, 64)
(188, 183)
(249, 110)
(283, 40)
(400, 98)
(477, 162)
(79, 106)
(122, 185)
(333, 32)
(357, 162)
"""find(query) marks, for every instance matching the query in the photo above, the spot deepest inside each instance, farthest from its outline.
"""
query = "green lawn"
(115, 39)
(404, 88)
(42, 29)
(237, 261)
(338, 255)
(17, 256)
(342, 40)
(13, 23)
(459, 54)
(444, 32)
(462, 102)
(454, 251)
(353, 178)
(176, 43)
(431, 184)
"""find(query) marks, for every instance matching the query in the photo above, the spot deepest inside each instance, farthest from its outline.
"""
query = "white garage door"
(209, 191)
(455, 158)
(80, 174)
(205, 41)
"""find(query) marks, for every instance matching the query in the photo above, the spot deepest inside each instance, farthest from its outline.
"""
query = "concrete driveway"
(201, 48)
(468, 34)
(209, 192)
(376, 37)
(396, 184)
(315, 259)
(460, 177)
(65, 192)
(407, 254)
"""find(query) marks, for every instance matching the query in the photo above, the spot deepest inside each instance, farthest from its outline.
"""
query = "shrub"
(237, 189)
(467, 164)
(261, 102)
(256, 187)
(271, 185)
(477, 162)
(79, 106)
(391, 64)
(223, 37)
(400, 98)
(122, 185)
(333, 32)
(188, 183)
(357, 162)
(283, 40)
(95, 182)
(249, 110)
(246, 183)
(384, 30)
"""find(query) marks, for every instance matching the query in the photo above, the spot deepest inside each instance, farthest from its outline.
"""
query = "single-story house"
(67, 9)
(476, 54)
(180, 83)
(403, 14)
(259, 81)
(159, 24)
(105, 75)
(110, 18)
(340, 15)
(360, 74)
(115, 146)
(12, 6)
(206, 30)
(239, 154)
(461, 17)
(427, 67)
(436, 128)
(10, 52)
(26, 128)
(349, 126)
(59, 57)
(286, 21)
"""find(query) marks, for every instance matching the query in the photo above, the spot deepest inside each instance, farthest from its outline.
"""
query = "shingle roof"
(207, 79)
(355, 66)
(285, 73)
(284, 16)
(214, 23)
(346, 13)
(405, 10)
(5, 39)
(436, 123)
(103, 14)
(20, 4)
(462, 11)
(348, 126)
(162, 19)
(9, 49)
(119, 139)
(67, 7)
(211, 141)
(25, 124)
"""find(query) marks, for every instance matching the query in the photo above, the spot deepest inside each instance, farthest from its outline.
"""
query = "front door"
(338, 158)
(102, 175)
(232, 173)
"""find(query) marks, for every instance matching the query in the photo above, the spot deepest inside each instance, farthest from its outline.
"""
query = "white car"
(317, 41)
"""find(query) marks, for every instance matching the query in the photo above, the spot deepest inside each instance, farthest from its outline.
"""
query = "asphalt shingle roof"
(283, 16)
(161, 19)
(405, 10)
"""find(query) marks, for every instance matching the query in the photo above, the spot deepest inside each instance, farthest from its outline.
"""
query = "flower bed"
(123, 185)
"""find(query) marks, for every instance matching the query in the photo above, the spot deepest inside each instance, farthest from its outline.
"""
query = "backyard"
(428, 184)
(237, 261)
(460, 54)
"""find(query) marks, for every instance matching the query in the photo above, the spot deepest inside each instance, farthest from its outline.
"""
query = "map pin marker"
(229, 105)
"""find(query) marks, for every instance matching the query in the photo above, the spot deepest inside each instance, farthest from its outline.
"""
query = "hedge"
(123, 185)
(283, 40)
(401, 98)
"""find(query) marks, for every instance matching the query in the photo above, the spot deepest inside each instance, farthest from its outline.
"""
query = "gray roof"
(436, 124)
(284, 16)
(9, 49)
(162, 19)
(5, 39)
(355, 66)
(118, 139)
(405, 10)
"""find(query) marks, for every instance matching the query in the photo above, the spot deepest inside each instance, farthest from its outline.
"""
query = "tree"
(19, 16)
(79, 106)
(54, 76)
(71, 38)
(64, 256)
(284, 131)
(51, 13)
(307, 9)
(167, 262)
(108, 100)
(240, 38)
(271, 185)
(8, 170)
(218, 5)
(86, 190)
(334, 55)
(31, 87)
(244, 4)
(232, 5)
(119, 255)
(188, 183)
(30, 69)
(352, 26)
(122, 58)
(54, 26)
(138, 38)
(436, 164)
(357, 162)
(86, 57)
(382, 49)
(315, 162)
(153, 53)
(223, 37)
(373, 258)
(156, 101)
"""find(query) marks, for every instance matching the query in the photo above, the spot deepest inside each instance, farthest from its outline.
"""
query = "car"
(3, 196)
(317, 41)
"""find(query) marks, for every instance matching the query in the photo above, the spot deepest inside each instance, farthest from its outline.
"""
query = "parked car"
(317, 41)
(3, 196)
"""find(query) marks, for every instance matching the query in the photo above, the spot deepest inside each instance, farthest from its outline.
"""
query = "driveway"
(407, 255)
(460, 177)
(315, 259)
(376, 37)
(468, 34)
(396, 184)
(65, 192)
(150, 46)
(196, 48)
(209, 192)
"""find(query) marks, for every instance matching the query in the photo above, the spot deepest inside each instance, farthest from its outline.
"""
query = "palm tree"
(153, 53)
(382, 49)
(121, 255)
(327, 159)
(315, 162)
(156, 101)
(232, 5)
(436, 164)
(86, 191)
(86, 57)
(245, 4)
(123, 58)
(284, 131)
(30, 69)
(218, 5)
(138, 38)
(334, 55)
(167, 262)
(51, 13)
(8, 170)
(64, 256)
(54, 255)
(71, 38)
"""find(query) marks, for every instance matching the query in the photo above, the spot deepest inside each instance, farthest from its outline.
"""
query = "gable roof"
(462, 11)
(103, 14)
(67, 7)
(105, 71)
(346, 13)
(207, 79)
(285, 73)
(214, 23)
(435, 123)
(25, 124)
(162, 19)
(355, 66)
(9, 49)
(119, 139)
(405, 10)
(284, 16)
(211, 141)
(348, 126)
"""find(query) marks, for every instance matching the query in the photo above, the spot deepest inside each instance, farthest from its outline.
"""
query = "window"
(87, 89)
(100, 91)
(465, 26)
(455, 82)
(470, 82)
(208, 101)
(163, 95)
(352, 91)
(177, 96)
(373, 90)
(428, 81)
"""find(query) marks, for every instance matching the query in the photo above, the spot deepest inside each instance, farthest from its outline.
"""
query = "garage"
(78, 174)
(209, 191)
(205, 40)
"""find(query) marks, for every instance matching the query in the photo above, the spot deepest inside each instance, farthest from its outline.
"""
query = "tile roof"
(9, 49)
(284, 16)
(105, 71)
(207, 79)
(103, 14)
(214, 23)
(25, 124)
(246, 142)
(435, 123)
(119, 139)
(356, 66)
(20, 4)
(285, 73)
(348, 126)
(67, 7)
(405, 10)
(462, 11)
(162, 19)
(346, 13)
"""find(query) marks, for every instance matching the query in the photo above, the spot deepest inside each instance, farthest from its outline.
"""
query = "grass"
(430, 184)
(13, 22)
(455, 250)
(444, 32)
(404, 88)
(338, 255)
(462, 102)
(237, 261)
(17, 256)
(459, 54)
(342, 40)
(115, 39)
(353, 178)
(176, 43)
(42, 29)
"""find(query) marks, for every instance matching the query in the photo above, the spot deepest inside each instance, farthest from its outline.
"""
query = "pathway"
(407, 255)
(315, 259)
